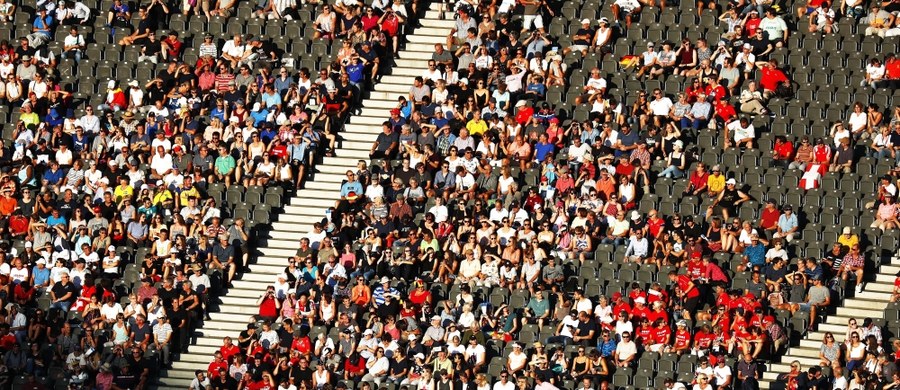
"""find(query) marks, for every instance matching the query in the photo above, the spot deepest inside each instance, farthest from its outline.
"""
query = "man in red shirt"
(690, 292)
(682, 339)
(892, 70)
(770, 77)
(228, 349)
(620, 305)
(783, 153)
(215, 365)
(698, 181)
(768, 218)
(662, 336)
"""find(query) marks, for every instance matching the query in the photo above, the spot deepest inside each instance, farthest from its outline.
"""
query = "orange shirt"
(7, 206)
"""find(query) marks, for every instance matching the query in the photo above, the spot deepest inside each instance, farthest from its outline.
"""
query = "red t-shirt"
(682, 339)
(646, 335)
(784, 150)
(724, 110)
(703, 340)
(267, 308)
(655, 225)
(699, 180)
(639, 313)
(227, 352)
(683, 283)
(620, 307)
(751, 26)
(302, 344)
(771, 77)
(769, 218)
(892, 69)
(259, 385)
(213, 370)
(655, 315)
(662, 335)
(695, 269)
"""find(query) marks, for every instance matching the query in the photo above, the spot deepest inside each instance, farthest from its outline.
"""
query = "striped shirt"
(162, 331)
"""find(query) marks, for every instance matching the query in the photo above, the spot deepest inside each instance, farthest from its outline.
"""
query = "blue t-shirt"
(41, 276)
(355, 72)
(756, 254)
(259, 116)
(541, 150)
(53, 221)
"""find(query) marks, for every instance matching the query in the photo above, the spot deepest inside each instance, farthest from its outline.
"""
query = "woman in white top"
(13, 89)
(484, 60)
(440, 92)
(777, 251)
(321, 376)
(874, 73)
(858, 122)
(467, 317)
(603, 311)
(133, 308)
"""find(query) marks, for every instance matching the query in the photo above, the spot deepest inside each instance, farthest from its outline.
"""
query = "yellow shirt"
(715, 184)
(185, 194)
(123, 192)
(161, 197)
(476, 127)
(849, 242)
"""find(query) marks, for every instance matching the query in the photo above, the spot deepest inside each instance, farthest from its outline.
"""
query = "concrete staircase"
(870, 303)
(309, 204)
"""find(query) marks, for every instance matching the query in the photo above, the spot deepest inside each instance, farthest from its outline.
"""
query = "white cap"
(464, 80)
(133, 83)
(640, 300)
(585, 21)
(521, 103)
(368, 332)
(41, 261)
(384, 279)
(747, 46)
(419, 356)
(731, 181)
(635, 215)
(111, 84)
(847, 230)
(29, 244)
(411, 337)
(436, 318)
(281, 276)
(110, 249)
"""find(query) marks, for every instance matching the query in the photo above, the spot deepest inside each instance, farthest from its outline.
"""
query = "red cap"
(696, 255)
(395, 112)
(616, 296)
(554, 120)
(768, 319)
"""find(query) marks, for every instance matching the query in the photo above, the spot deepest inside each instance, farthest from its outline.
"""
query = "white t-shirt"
(661, 107)
(739, 132)
(858, 121)
(722, 373)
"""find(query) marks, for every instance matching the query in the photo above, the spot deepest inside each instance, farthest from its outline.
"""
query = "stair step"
(284, 235)
(362, 128)
(327, 168)
(412, 63)
(386, 96)
(220, 333)
(431, 22)
(272, 261)
(380, 103)
(278, 251)
(430, 31)
(303, 219)
(355, 154)
(430, 40)
(421, 47)
(280, 243)
(264, 269)
(396, 89)
(339, 160)
(407, 73)
(363, 144)
(435, 14)
(233, 320)
(308, 210)
(180, 374)
(860, 313)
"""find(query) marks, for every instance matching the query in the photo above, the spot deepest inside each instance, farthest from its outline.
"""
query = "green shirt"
(226, 164)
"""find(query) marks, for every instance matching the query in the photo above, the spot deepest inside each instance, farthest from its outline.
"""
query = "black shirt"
(398, 367)
(177, 318)
(224, 382)
(60, 290)
(167, 296)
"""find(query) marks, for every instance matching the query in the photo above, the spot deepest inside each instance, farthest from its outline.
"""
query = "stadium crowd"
(125, 213)
(496, 241)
